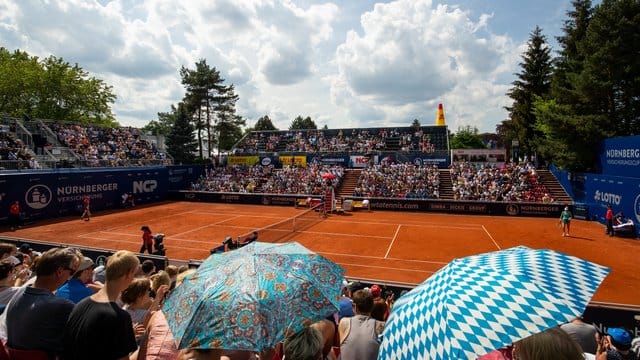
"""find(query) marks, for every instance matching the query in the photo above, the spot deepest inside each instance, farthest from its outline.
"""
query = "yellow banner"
(297, 160)
(243, 160)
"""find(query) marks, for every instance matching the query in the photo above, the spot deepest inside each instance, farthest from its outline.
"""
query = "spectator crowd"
(311, 179)
(59, 305)
(361, 141)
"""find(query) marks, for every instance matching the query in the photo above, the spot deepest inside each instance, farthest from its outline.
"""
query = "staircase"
(556, 190)
(349, 182)
(446, 186)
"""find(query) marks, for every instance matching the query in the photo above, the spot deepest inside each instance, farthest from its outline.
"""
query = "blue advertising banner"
(51, 194)
(182, 176)
(621, 156)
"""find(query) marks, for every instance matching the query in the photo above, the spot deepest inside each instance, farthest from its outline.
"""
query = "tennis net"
(285, 230)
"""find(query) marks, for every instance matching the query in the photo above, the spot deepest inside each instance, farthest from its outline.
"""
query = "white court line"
(138, 243)
(388, 268)
(422, 224)
(395, 236)
(341, 234)
(205, 226)
(161, 217)
(379, 258)
(491, 237)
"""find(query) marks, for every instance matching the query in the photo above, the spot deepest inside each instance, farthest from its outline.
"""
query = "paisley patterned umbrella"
(253, 298)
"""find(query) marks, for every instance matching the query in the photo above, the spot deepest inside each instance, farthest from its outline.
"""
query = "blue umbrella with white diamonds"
(480, 303)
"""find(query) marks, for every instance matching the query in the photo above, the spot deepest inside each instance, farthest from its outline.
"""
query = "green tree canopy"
(264, 123)
(300, 123)
(467, 137)
(51, 88)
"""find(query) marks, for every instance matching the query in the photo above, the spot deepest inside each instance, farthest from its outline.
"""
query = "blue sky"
(344, 63)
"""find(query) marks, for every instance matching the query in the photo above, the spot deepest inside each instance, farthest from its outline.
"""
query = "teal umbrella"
(253, 298)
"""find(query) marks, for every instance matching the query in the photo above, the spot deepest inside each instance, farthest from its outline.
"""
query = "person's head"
(172, 270)
(376, 291)
(58, 260)
(305, 345)
(551, 344)
(619, 338)
(85, 270)
(608, 206)
(160, 278)
(148, 267)
(122, 263)
(7, 250)
(183, 275)
(137, 291)
(566, 208)
(363, 301)
(145, 228)
(6, 268)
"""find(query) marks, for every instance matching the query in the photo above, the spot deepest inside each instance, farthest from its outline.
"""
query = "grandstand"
(43, 144)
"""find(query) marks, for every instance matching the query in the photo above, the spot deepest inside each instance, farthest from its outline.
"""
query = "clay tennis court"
(382, 246)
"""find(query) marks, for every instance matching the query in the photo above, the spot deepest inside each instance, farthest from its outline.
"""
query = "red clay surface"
(381, 245)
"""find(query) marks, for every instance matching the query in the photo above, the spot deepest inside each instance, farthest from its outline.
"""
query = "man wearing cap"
(380, 309)
(616, 344)
(76, 289)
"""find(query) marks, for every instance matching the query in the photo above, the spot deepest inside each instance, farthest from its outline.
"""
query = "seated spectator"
(35, 317)
(76, 289)
(249, 239)
(614, 345)
(584, 334)
(359, 334)
(9, 275)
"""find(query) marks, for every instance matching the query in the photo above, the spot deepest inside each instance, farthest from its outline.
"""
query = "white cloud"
(345, 65)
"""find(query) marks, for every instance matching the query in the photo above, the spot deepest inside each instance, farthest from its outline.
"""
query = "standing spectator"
(86, 208)
(584, 334)
(565, 220)
(98, 328)
(609, 218)
(35, 317)
(76, 289)
(359, 334)
(147, 240)
(14, 215)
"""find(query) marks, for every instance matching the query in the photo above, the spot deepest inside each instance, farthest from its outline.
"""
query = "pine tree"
(181, 142)
(533, 81)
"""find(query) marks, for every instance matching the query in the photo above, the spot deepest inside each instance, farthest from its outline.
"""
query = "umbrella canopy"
(480, 303)
(328, 176)
(253, 298)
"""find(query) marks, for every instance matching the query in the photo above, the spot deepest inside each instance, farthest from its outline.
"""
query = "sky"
(347, 63)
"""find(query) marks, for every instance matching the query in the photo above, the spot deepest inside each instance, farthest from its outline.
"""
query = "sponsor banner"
(459, 207)
(296, 160)
(361, 161)
(441, 162)
(332, 160)
(182, 176)
(495, 156)
(46, 195)
(621, 156)
(236, 198)
(265, 161)
(242, 160)
(467, 207)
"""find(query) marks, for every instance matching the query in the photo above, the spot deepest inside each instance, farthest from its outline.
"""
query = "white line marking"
(205, 226)
(341, 234)
(491, 237)
(379, 258)
(395, 236)
(386, 267)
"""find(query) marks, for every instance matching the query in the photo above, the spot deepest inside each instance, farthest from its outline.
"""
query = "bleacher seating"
(426, 139)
